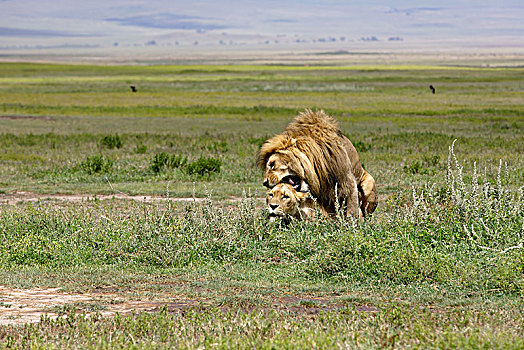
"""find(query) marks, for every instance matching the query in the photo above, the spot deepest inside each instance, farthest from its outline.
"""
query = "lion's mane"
(313, 148)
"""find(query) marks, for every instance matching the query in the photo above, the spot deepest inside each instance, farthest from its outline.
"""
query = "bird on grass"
(133, 88)
(432, 88)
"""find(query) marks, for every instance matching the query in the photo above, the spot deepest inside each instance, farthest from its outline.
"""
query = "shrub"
(204, 166)
(159, 161)
(96, 164)
(111, 141)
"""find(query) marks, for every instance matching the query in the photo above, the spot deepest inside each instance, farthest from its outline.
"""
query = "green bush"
(111, 141)
(96, 164)
(204, 166)
(159, 161)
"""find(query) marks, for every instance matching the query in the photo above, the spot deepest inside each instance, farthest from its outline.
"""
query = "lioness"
(285, 202)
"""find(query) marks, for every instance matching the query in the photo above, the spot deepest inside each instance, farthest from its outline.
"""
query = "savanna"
(439, 264)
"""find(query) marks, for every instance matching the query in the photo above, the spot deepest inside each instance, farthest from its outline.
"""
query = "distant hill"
(295, 23)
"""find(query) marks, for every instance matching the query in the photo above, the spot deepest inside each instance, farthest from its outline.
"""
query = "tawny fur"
(285, 202)
(313, 148)
(367, 190)
(367, 195)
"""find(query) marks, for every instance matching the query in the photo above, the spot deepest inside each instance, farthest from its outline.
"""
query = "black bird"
(133, 88)
(432, 88)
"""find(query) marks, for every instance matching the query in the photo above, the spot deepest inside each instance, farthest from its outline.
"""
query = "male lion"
(284, 202)
(313, 152)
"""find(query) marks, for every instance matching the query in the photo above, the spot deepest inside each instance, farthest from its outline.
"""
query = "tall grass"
(466, 234)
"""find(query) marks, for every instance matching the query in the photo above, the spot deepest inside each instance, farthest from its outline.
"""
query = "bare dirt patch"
(20, 197)
(20, 306)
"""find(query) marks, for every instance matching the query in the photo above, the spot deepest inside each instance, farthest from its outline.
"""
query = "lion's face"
(284, 202)
(278, 171)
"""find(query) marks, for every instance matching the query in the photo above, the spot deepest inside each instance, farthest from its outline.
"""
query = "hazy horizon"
(59, 24)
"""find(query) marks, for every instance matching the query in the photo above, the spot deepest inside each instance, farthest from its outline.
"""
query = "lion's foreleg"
(352, 203)
(353, 208)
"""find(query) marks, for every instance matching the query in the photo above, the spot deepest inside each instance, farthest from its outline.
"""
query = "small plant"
(159, 161)
(111, 141)
(96, 164)
(163, 160)
(204, 166)
(413, 168)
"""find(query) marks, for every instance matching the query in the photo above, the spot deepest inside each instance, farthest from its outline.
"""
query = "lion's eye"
(270, 195)
(271, 165)
(285, 196)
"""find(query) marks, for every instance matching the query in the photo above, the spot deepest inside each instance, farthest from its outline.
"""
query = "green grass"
(392, 327)
(225, 112)
(440, 268)
(440, 264)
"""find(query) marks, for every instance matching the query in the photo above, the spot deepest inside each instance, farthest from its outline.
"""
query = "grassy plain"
(54, 116)
(441, 264)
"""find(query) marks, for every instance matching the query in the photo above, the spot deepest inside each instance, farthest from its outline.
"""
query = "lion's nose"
(273, 206)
